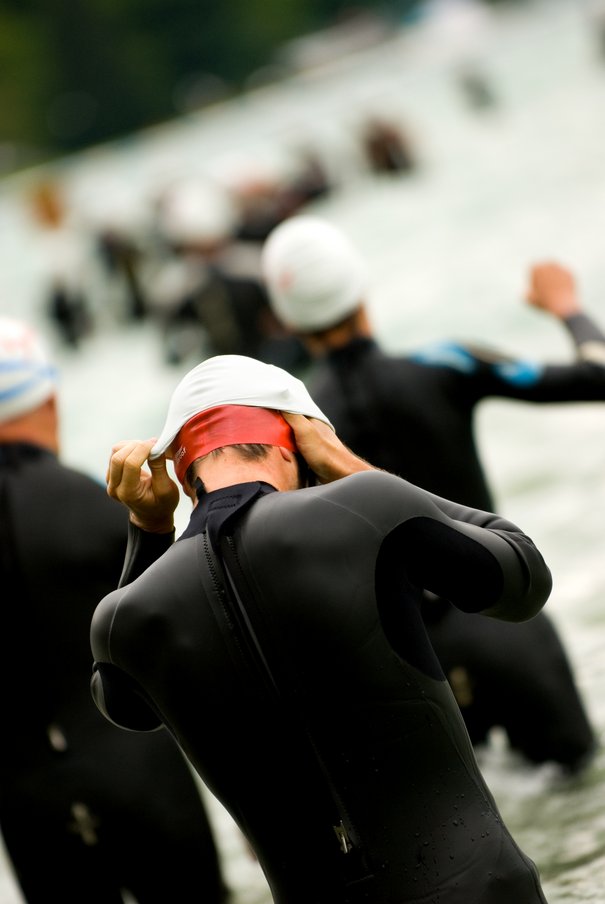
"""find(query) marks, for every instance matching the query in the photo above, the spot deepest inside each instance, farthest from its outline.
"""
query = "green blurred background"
(75, 73)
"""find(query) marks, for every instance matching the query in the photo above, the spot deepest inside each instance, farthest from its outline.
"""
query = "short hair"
(252, 452)
(248, 451)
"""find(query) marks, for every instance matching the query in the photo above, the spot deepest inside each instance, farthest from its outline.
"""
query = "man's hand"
(151, 496)
(325, 454)
(552, 287)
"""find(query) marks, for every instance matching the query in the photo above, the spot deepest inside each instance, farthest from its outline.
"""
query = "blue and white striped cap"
(27, 377)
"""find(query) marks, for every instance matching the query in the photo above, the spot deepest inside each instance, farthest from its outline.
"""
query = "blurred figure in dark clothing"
(62, 251)
(87, 811)
(413, 415)
(209, 293)
(386, 146)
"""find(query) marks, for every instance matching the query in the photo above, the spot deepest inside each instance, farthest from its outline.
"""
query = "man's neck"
(279, 469)
(36, 428)
(341, 335)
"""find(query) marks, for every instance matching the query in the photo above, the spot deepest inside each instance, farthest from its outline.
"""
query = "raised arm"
(484, 372)
(323, 451)
(552, 287)
(151, 497)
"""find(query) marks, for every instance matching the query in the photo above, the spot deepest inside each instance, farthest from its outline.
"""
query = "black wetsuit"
(85, 809)
(280, 640)
(414, 415)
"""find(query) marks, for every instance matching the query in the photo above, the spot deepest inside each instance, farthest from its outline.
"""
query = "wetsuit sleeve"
(588, 338)
(478, 560)
(482, 372)
(117, 695)
(142, 550)
(580, 380)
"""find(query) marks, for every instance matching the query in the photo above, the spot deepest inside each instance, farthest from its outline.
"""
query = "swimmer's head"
(27, 376)
(231, 400)
(314, 276)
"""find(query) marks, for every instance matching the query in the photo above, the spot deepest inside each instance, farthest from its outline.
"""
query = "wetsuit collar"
(15, 453)
(215, 509)
(352, 349)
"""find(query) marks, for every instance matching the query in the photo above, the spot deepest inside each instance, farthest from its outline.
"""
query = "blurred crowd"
(184, 252)
(186, 255)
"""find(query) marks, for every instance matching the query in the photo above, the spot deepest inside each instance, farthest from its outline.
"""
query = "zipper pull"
(344, 842)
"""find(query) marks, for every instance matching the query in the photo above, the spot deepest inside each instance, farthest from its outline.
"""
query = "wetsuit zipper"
(346, 834)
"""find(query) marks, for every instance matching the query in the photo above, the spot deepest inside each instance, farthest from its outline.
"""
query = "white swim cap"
(234, 380)
(198, 211)
(27, 378)
(314, 275)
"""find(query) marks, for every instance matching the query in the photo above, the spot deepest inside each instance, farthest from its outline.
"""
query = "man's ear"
(190, 490)
(287, 454)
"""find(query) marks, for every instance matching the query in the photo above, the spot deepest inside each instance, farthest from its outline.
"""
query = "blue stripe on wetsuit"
(519, 373)
(457, 357)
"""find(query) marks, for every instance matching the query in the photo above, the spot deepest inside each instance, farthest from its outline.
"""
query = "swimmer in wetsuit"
(86, 811)
(280, 640)
(413, 415)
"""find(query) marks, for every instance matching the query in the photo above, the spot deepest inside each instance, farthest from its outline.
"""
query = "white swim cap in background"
(234, 380)
(313, 274)
(198, 211)
(27, 377)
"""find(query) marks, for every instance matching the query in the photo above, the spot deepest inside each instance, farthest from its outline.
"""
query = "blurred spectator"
(476, 87)
(118, 220)
(63, 252)
(307, 181)
(87, 811)
(208, 294)
(460, 31)
(121, 257)
(266, 192)
(387, 147)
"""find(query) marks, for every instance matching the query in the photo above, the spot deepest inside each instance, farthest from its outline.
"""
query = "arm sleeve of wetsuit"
(498, 573)
(142, 550)
(480, 372)
(478, 560)
(121, 700)
(588, 338)
(496, 375)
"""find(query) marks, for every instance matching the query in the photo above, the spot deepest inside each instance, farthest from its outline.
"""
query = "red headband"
(228, 425)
